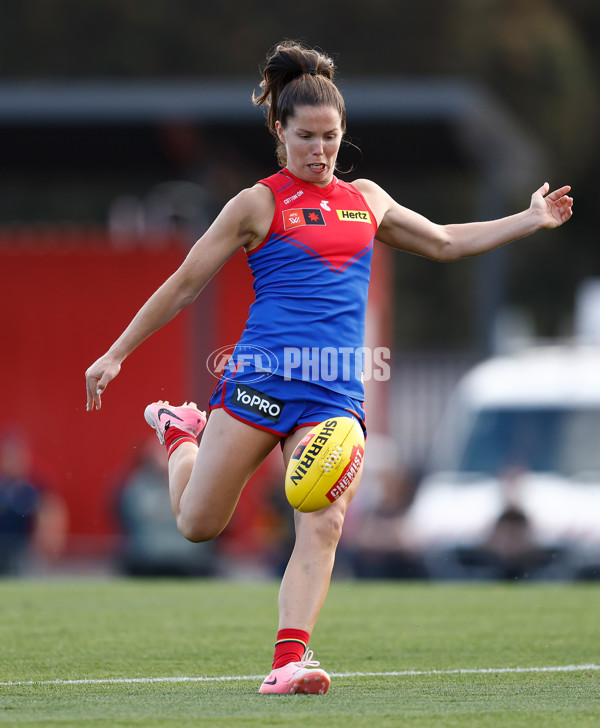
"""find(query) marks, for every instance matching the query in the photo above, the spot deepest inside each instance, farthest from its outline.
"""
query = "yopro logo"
(257, 402)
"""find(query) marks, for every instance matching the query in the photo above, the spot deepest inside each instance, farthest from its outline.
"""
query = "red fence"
(63, 300)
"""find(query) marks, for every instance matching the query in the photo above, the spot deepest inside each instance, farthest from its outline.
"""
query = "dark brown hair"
(297, 76)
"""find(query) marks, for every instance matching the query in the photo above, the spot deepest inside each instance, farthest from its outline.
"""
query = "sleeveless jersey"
(311, 278)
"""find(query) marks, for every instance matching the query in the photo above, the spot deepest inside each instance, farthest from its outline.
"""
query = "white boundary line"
(237, 678)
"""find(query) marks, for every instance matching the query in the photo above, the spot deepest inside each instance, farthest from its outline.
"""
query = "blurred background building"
(126, 126)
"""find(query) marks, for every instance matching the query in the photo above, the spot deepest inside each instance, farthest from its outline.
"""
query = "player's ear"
(280, 131)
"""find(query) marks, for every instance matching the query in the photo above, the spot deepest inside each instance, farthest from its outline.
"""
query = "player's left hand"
(554, 208)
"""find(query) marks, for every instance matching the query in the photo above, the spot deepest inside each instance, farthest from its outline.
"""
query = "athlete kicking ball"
(309, 238)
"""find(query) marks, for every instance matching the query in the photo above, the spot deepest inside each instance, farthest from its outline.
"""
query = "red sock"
(290, 645)
(174, 438)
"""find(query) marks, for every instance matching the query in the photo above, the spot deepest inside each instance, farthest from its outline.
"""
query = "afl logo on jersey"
(302, 216)
(354, 215)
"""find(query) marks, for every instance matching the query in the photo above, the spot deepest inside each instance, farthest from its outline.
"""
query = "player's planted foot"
(297, 677)
(188, 418)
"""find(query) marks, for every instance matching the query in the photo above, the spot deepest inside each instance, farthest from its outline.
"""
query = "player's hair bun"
(290, 60)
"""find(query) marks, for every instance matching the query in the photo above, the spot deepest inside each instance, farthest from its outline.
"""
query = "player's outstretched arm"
(242, 221)
(406, 230)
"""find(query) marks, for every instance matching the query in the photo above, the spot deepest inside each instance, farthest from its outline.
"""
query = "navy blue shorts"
(280, 405)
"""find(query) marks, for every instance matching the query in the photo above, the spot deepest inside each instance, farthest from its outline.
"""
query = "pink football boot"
(297, 677)
(188, 418)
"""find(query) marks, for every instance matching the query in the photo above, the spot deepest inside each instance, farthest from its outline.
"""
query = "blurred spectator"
(374, 539)
(33, 517)
(152, 545)
(510, 548)
(278, 516)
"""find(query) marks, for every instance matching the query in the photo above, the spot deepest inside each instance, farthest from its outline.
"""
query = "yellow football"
(324, 463)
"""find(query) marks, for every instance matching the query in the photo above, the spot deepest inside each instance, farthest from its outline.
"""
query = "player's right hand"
(97, 378)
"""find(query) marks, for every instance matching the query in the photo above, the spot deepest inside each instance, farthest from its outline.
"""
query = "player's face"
(312, 139)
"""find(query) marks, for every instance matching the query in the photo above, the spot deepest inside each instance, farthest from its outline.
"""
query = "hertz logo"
(354, 215)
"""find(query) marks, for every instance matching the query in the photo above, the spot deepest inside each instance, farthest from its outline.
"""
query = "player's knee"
(333, 524)
(197, 530)
(324, 530)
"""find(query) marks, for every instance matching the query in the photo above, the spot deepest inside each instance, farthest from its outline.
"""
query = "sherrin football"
(324, 463)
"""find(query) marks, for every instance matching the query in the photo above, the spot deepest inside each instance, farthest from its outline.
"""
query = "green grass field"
(453, 648)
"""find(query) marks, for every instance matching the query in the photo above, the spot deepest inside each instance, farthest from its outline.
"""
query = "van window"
(558, 440)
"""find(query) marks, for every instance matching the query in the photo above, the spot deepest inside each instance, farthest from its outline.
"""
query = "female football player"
(308, 237)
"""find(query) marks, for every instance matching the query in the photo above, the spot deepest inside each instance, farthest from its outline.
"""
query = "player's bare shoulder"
(377, 198)
(254, 209)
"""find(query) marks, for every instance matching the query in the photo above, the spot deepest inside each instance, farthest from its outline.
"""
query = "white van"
(512, 488)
